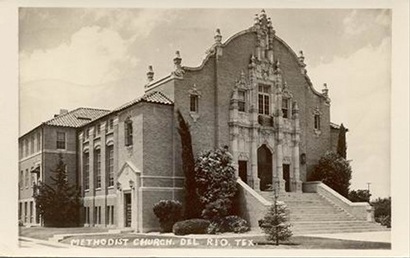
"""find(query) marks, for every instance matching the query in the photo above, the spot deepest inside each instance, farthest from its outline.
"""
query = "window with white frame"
(317, 121)
(97, 168)
(110, 164)
(194, 103)
(264, 99)
(61, 140)
(128, 132)
(241, 100)
(86, 169)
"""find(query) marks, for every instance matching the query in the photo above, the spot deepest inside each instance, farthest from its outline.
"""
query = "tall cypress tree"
(192, 205)
(341, 143)
(58, 203)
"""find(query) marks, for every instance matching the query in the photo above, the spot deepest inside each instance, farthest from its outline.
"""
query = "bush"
(168, 212)
(334, 171)
(21, 223)
(275, 224)
(382, 211)
(191, 226)
(216, 183)
(231, 223)
(359, 195)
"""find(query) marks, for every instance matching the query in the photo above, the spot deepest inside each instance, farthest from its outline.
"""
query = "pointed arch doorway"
(265, 167)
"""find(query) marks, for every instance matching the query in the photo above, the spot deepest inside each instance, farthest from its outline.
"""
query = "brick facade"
(235, 98)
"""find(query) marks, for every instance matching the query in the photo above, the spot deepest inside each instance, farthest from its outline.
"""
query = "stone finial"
(263, 14)
(218, 36)
(270, 23)
(301, 57)
(150, 74)
(256, 19)
(178, 72)
(325, 90)
(177, 59)
(277, 67)
(252, 63)
(295, 107)
(242, 75)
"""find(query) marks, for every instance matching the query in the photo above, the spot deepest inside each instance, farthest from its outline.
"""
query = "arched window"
(317, 121)
(128, 132)
(109, 167)
(86, 169)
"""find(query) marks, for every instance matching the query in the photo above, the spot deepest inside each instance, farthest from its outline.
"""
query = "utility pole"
(368, 186)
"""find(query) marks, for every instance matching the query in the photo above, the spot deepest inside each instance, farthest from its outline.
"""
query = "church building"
(251, 93)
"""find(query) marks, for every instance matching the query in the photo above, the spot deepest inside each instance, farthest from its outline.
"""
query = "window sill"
(98, 189)
(86, 190)
(97, 137)
(194, 115)
(110, 187)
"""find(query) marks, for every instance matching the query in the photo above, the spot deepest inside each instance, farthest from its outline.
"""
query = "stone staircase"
(310, 213)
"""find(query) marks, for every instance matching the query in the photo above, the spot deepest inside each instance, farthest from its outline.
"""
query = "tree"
(58, 203)
(341, 143)
(216, 183)
(193, 207)
(359, 195)
(382, 211)
(334, 171)
(275, 223)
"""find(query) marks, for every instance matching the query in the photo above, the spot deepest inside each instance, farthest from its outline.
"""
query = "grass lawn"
(45, 233)
(242, 241)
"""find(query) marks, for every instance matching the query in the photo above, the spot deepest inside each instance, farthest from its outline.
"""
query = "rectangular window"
(25, 212)
(95, 215)
(38, 142)
(99, 215)
(193, 107)
(110, 165)
(87, 215)
(97, 130)
(21, 150)
(26, 179)
(31, 212)
(60, 140)
(317, 122)
(33, 179)
(109, 125)
(241, 100)
(112, 215)
(20, 211)
(87, 134)
(32, 145)
(97, 167)
(25, 148)
(86, 163)
(285, 108)
(128, 132)
(21, 182)
(264, 99)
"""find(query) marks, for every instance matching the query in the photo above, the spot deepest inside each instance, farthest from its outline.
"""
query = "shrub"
(359, 195)
(21, 223)
(334, 171)
(168, 212)
(382, 211)
(191, 226)
(216, 182)
(275, 224)
(231, 223)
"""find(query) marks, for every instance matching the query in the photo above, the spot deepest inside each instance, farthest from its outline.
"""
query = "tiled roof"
(77, 117)
(153, 97)
(336, 126)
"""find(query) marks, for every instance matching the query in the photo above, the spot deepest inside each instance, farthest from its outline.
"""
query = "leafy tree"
(59, 203)
(334, 171)
(341, 143)
(359, 195)
(193, 207)
(216, 183)
(382, 211)
(275, 223)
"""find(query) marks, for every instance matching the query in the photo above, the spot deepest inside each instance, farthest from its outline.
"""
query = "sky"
(99, 57)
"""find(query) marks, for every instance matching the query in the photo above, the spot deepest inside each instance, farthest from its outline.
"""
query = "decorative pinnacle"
(150, 74)
(218, 36)
(325, 90)
(269, 23)
(177, 59)
(301, 56)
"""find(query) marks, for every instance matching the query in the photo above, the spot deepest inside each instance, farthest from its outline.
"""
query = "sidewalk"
(379, 236)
